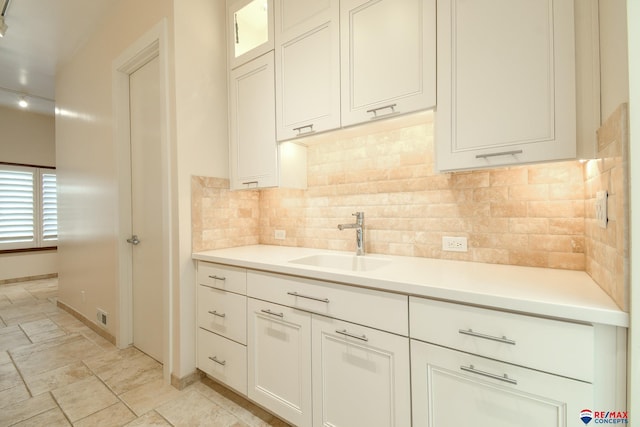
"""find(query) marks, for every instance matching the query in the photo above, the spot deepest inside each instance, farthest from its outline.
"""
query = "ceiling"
(42, 35)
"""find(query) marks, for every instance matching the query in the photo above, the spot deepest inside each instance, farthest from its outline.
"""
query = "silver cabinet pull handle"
(472, 333)
(505, 378)
(215, 313)
(250, 182)
(502, 153)
(272, 313)
(299, 129)
(392, 107)
(219, 362)
(349, 334)
(214, 277)
(295, 294)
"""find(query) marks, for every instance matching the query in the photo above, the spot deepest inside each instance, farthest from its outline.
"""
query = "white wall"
(27, 138)
(634, 123)
(202, 142)
(613, 55)
(86, 158)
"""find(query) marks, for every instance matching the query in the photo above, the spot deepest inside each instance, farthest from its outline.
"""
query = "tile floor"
(55, 371)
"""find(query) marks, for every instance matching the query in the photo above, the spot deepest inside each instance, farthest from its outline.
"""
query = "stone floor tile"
(26, 409)
(114, 416)
(9, 376)
(150, 419)
(11, 396)
(52, 418)
(83, 398)
(130, 373)
(193, 409)
(12, 337)
(149, 396)
(4, 357)
(57, 378)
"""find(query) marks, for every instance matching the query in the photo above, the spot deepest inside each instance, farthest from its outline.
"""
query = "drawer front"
(553, 346)
(222, 312)
(223, 277)
(222, 359)
(377, 309)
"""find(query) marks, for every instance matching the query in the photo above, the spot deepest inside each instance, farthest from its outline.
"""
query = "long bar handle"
(502, 153)
(215, 313)
(299, 129)
(295, 294)
(505, 378)
(272, 313)
(472, 333)
(214, 277)
(219, 362)
(349, 334)
(392, 107)
(250, 182)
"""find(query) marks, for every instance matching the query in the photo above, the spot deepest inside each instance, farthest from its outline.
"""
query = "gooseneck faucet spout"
(359, 227)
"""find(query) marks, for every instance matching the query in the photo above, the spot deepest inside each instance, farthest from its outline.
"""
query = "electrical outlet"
(601, 208)
(280, 234)
(454, 244)
(101, 316)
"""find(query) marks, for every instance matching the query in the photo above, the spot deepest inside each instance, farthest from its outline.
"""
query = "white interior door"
(146, 206)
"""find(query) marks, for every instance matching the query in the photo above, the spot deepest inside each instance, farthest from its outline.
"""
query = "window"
(28, 207)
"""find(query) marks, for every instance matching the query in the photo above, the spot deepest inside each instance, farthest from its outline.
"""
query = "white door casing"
(151, 44)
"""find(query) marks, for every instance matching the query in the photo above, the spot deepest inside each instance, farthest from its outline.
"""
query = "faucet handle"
(358, 214)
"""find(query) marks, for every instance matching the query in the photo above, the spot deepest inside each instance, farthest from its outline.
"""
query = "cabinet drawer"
(222, 277)
(223, 359)
(222, 312)
(377, 309)
(553, 346)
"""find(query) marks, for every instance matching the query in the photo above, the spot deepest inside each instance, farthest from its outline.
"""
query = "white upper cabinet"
(307, 56)
(253, 149)
(249, 30)
(388, 54)
(506, 83)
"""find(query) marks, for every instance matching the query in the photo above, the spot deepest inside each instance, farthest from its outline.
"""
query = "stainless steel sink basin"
(342, 262)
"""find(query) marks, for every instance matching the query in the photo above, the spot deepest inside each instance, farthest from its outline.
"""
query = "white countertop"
(563, 294)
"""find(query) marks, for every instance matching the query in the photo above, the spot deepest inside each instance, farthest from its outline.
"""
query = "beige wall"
(614, 64)
(27, 138)
(86, 159)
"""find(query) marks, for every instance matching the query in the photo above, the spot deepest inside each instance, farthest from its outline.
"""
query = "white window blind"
(28, 207)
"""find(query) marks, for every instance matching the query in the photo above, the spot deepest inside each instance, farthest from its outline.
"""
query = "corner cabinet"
(307, 67)
(388, 54)
(506, 83)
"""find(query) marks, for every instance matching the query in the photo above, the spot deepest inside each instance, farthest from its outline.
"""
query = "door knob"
(133, 240)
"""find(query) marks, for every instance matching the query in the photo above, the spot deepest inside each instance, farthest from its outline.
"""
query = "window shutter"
(16, 207)
(49, 208)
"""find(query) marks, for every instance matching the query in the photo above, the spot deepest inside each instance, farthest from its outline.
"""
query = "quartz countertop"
(563, 294)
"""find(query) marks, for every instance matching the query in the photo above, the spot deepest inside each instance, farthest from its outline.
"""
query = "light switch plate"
(601, 209)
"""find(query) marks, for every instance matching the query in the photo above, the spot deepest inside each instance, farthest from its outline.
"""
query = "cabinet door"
(388, 58)
(360, 376)
(253, 149)
(279, 353)
(307, 67)
(506, 83)
(249, 30)
(452, 389)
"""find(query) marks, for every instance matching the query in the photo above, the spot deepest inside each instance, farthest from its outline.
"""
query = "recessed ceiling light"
(23, 103)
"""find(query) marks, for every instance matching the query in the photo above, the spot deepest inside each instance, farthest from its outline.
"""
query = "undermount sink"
(342, 262)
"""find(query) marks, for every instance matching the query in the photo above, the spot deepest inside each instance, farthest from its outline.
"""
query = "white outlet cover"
(601, 209)
(454, 244)
(280, 234)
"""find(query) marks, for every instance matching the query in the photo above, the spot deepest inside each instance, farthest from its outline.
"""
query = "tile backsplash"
(531, 215)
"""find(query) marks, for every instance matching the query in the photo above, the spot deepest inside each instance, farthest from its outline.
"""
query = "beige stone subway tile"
(474, 210)
(491, 194)
(567, 226)
(457, 195)
(443, 210)
(529, 192)
(553, 173)
(550, 243)
(508, 176)
(570, 191)
(401, 249)
(567, 261)
(529, 258)
(428, 251)
(555, 209)
(489, 225)
(491, 256)
(457, 256)
(476, 179)
(528, 225)
(509, 209)
(438, 182)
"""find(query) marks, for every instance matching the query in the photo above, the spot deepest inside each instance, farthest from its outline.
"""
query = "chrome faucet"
(359, 226)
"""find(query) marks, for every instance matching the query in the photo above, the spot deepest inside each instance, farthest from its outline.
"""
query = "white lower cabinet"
(451, 388)
(279, 371)
(360, 376)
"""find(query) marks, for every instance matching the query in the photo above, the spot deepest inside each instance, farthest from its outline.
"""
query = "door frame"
(153, 43)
